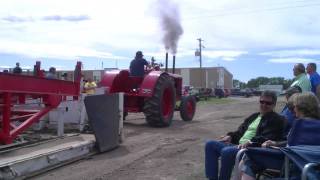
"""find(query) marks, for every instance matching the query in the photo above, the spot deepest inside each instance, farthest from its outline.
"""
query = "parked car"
(205, 93)
(236, 92)
(241, 92)
(219, 92)
(256, 92)
(247, 92)
(202, 93)
(227, 92)
(212, 94)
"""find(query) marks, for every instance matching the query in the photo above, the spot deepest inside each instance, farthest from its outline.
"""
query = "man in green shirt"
(301, 79)
(256, 129)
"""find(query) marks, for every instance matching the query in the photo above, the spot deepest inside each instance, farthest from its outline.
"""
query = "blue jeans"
(227, 152)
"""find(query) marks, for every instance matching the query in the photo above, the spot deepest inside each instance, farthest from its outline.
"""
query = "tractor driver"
(137, 65)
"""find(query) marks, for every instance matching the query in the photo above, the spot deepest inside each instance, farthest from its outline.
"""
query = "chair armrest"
(307, 168)
(236, 165)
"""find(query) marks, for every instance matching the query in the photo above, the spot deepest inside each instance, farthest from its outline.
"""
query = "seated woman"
(306, 107)
(287, 110)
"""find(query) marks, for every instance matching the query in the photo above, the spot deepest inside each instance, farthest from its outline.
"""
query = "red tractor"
(155, 94)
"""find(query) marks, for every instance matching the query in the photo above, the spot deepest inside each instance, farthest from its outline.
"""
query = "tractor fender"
(149, 82)
(115, 80)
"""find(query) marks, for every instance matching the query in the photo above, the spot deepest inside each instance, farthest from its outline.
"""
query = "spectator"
(255, 129)
(314, 78)
(137, 65)
(301, 79)
(306, 106)
(287, 111)
(90, 86)
(17, 69)
(83, 82)
(64, 76)
(52, 73)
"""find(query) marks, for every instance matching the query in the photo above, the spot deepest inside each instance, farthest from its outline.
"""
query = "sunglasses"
(266, 102)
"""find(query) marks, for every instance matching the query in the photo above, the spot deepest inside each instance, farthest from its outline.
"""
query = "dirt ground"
(173, 153)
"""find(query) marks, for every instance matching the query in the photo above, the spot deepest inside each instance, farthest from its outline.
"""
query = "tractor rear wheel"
(159, 108)
(187, 108)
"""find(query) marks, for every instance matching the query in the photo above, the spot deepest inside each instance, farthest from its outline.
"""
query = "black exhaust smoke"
(170, 22)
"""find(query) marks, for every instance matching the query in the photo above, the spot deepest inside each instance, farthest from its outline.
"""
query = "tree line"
(256, 82)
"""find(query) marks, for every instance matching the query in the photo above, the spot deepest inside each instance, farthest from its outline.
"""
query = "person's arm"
(270, 143)
(225, 139)
(272, 130)
(247, 144)
(146, 63)
(318, 91)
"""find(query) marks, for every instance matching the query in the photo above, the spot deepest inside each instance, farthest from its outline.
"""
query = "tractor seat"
(127, 82)
(123, 80)
(135, 82)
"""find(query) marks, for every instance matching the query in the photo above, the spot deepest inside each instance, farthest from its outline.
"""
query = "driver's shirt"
(137, 67)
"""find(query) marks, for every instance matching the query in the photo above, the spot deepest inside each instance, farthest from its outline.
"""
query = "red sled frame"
(14, 89)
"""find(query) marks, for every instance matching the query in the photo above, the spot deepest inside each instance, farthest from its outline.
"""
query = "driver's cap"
(139, 54)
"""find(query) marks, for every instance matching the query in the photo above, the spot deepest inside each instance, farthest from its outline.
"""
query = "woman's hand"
(244, 145)
(268, 143)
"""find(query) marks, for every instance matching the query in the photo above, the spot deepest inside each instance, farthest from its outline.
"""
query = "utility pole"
(200, 51)
(200, 59)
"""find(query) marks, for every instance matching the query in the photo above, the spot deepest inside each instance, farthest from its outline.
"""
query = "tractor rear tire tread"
(152, 107)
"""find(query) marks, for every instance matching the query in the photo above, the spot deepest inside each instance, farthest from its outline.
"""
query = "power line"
(230, 13)
(244, 8)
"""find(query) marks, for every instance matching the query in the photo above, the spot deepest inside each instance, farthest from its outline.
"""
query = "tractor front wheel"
(159, 108)
(187, 108)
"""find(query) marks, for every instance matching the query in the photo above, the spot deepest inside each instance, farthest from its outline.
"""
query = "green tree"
(239, 84)
(256, 82)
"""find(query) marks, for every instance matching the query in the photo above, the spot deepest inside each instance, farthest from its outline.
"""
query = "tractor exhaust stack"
(173, 64)
(166, 62)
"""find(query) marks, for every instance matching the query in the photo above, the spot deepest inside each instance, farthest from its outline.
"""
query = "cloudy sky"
(250, 38)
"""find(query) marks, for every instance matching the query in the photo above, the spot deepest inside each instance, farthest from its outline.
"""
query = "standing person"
(137, 65)
(52, 73)
(301, 78)
(314, 78)
(90, 86)
(17, 69)
(255, 129)
(64, 76)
